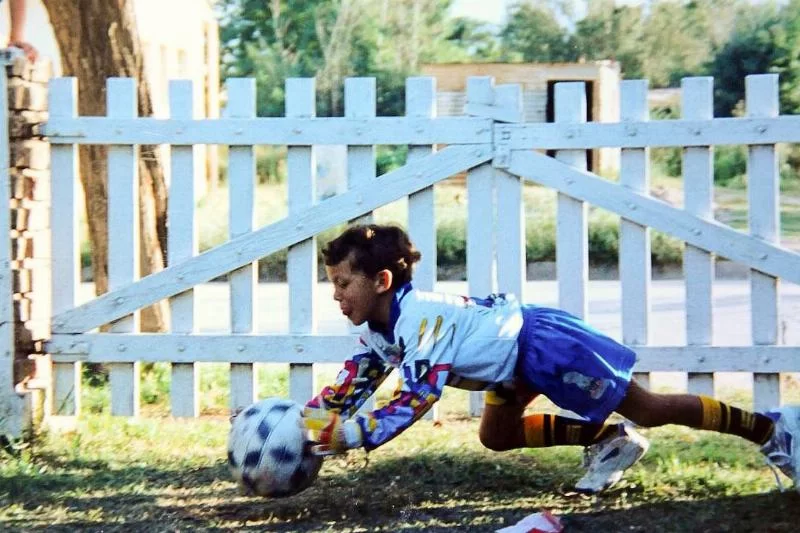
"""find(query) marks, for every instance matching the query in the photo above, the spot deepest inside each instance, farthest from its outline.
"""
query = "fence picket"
(480, 218)
(634, 239)
(359, 105)
(511, 267)
(572, 230)
(66, 394)
(761, 99)
(421, 103)
(182, 245)
(302, 260)
(241, 220)
(123, 248)
(698, 185)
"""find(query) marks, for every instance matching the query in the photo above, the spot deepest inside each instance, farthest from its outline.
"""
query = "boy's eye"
(342, 284)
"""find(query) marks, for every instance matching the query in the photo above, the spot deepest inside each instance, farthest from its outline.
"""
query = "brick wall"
(30, 225)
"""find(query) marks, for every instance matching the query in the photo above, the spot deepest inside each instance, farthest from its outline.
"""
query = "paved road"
(668, 321)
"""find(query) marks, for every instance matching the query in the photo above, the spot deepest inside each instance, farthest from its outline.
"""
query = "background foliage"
(660, 40)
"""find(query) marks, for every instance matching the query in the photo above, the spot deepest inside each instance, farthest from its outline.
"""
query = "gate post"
(24, 263)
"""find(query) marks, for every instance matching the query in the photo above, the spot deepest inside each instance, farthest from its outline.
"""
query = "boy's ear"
(383, 280)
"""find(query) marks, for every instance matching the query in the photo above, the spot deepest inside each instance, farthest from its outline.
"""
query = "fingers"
(324, 450)
(316, 424)
(30, 52)
(316, 419)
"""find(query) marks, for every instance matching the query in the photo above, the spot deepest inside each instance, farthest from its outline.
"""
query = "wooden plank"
(302, 257)
(719, 131)
(360, 104)
(222, 348)
(281, 131)
(708, 235)
(698, 264)
(241, 221)
(65, 398)
(421, 103)
(123, 242)
(182, 245)
(153, 347)
(481, 279)
(634, 239)
(763, 178)
(572, 228)
(511, 264)
(501, 103)
(269, 239)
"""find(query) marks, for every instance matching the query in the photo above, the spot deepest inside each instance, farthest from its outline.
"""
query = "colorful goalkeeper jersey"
(434, 340)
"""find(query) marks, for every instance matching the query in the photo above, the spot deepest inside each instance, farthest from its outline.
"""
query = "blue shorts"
(575, 366)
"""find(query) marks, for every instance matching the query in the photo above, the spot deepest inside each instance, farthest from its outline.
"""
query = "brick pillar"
(30, 230)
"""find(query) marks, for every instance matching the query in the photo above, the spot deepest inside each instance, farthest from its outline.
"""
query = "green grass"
(156, 473)
(159, 474)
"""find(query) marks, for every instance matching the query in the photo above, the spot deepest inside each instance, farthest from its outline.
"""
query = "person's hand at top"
(17, 33)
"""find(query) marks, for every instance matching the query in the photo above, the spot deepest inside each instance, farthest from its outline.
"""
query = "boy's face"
(360, 298)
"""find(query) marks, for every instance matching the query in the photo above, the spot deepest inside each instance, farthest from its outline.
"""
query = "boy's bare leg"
(502, 426)
(650, 409)
(611, 448)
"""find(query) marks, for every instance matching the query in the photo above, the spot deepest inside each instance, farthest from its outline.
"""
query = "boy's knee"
(495, 441)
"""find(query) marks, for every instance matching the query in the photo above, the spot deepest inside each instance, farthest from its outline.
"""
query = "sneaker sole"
(642, 447)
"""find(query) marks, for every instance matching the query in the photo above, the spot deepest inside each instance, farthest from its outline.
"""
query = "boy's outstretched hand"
(332, 434)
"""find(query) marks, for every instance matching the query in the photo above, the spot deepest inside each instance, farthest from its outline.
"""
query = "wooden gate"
(497, 152)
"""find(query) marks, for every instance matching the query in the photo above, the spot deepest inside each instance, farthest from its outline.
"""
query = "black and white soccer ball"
(268, 453)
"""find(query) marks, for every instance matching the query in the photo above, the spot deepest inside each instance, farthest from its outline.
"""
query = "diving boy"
(512, 351)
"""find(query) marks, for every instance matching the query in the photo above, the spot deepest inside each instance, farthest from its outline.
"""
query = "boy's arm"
(428, 353)
(415, 396)
(370, 430)
(357, 381)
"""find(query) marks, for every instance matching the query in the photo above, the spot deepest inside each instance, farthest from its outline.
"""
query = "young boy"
(512, 351)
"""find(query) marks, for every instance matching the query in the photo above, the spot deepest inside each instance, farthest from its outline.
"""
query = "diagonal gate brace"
(709, 235)
(269, 239)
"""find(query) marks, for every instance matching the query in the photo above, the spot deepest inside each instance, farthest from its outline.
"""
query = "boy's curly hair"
(375, 247)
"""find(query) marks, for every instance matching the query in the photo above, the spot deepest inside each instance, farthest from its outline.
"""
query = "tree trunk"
(98, 40)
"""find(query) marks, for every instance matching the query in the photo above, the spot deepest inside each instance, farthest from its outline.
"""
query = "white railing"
(497, 156)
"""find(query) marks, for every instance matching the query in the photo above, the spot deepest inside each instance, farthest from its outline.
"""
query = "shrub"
(271, 164)
(388, 158)
(540, 239)
(603, 237)
(451, 243)
(730, 165)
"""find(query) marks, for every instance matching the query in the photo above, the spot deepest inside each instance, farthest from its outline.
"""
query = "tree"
(97, 40)
(330, 40)
(679, 37)
(533, 34)
(613, 32)
(750, 50)
(469, 40)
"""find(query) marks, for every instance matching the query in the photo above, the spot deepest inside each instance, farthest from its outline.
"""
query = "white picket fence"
(496, 151)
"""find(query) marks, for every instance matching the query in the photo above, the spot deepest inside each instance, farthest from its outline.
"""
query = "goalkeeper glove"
(332, 434)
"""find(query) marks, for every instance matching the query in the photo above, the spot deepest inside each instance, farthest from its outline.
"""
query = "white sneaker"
(608, 459)
(782, 450)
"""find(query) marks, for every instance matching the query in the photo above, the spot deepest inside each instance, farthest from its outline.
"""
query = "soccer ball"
(267, 451)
